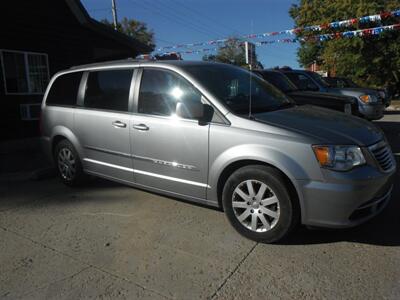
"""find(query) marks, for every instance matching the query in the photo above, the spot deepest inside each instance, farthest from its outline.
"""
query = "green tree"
(372, 60)
(233, 52)
(135, 29)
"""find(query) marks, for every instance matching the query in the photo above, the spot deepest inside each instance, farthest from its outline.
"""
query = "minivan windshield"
(235, 86)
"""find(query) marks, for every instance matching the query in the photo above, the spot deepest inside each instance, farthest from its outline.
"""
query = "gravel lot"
(106, 240)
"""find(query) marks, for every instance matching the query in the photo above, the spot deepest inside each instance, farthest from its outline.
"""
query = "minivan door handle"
(142, 127)
(119, 124)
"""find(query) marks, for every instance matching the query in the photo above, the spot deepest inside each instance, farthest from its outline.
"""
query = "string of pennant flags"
(322, 38)
(360, 32)
(332, 25)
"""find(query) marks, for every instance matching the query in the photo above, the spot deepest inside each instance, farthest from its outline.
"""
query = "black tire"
(76, 171)
(286, 209)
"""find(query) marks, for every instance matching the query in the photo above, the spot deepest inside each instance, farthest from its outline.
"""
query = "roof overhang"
(84, 18)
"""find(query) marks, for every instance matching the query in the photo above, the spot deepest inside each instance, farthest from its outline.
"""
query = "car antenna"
(250, 116)
(249, 58)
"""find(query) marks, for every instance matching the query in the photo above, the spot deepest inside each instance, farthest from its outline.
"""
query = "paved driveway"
(110, 241)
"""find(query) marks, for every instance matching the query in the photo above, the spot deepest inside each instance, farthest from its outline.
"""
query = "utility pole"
(114, 12)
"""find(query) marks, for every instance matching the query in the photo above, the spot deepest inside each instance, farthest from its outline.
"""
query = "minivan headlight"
(368, 98)
(339, 158)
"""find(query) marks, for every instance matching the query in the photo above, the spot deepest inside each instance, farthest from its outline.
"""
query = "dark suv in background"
(341, 103)
(370, 103)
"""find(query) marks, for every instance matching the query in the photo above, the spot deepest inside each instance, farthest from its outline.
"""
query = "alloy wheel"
(66, 164)
(255, 205)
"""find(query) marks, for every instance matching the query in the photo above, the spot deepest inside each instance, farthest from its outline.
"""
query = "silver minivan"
(218, 135)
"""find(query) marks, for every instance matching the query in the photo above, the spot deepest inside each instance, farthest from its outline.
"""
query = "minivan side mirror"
(193, 110)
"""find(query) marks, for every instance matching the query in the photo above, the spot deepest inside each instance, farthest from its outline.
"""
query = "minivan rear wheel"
(257, 202)
(69, 166)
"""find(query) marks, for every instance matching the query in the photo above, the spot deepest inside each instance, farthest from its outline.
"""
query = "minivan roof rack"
(105, 63)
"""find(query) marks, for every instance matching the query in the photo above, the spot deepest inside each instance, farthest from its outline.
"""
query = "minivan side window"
(160, 90)
(108, 90)
(64, 90)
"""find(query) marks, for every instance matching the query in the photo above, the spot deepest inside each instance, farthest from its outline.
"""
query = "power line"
(172, 16)
(168, 17)
(145, 7)
(176, 13)
(168, 42)
(194, 11)
(109, 10)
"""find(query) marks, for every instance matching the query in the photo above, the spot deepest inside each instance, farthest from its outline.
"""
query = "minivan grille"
(383, 156)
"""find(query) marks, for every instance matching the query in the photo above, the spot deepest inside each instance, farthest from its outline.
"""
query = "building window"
(24, 72)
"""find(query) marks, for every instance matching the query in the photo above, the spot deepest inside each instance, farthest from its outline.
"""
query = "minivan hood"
(325, 125)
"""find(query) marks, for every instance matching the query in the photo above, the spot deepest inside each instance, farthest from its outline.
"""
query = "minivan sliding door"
(102, 123)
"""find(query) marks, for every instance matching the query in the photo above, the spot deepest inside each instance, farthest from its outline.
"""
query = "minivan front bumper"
(341, 205)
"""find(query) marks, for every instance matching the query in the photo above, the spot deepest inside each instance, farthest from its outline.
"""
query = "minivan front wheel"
(257, 203)
(68, 164)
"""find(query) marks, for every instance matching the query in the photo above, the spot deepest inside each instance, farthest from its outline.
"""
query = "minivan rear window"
(64, 90)
(108, 90)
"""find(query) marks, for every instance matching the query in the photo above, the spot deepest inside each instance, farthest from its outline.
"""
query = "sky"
(188, 21)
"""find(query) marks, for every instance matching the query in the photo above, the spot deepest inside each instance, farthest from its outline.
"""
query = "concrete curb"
(393, 108)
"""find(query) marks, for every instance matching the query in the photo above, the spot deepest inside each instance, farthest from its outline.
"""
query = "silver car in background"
(218, 135)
